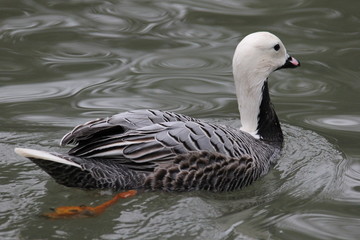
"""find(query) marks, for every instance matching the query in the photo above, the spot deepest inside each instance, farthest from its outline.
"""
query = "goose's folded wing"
(120, 123)
(151, 146)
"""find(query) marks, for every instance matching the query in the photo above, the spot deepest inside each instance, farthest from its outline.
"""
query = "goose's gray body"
(161, 150)
(155, 149)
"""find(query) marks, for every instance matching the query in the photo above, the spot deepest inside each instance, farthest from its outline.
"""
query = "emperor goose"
(153, 149)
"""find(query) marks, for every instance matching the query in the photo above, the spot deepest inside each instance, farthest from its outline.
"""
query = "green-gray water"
(66, 62)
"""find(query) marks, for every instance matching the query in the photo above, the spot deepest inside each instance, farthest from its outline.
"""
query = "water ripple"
(18, 28)
(299, 87)
(323, 226)
(52, 90)
(199, 35)
(314, 171)
(349, 123)
(155, 12)
(131, 18)
(197, 61)
(73, 59)
(308, 22)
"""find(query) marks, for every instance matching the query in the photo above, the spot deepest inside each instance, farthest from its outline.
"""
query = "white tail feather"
(31, 153)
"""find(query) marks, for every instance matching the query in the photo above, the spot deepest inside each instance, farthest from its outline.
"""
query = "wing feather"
(121, 123)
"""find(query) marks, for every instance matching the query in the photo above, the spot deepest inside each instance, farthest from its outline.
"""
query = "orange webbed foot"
(85, 211)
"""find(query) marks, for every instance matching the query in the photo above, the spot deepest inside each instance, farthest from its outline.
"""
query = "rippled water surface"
(66, 62)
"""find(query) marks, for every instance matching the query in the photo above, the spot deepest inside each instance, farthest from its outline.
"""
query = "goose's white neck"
(249, 95)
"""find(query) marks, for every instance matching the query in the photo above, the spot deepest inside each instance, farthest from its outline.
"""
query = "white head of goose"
(152, 149)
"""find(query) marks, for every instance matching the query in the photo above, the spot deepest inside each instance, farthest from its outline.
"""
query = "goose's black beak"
(290, 63)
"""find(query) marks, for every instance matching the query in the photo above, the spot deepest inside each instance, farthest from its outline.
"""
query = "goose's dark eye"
(277, 47)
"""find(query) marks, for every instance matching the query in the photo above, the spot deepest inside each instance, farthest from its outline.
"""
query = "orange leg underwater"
(84, 211)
